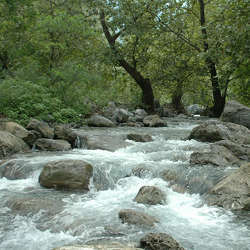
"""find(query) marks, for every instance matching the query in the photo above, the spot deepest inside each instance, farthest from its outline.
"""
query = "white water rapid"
(28, 222)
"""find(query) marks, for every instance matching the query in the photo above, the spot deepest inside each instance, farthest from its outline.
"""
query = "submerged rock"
(42, 127)
(139, 138)
(111, 246)
(150, 195)
(10, 144)
(159, 241)
(52, 145)
(236, 113)
(136, 218)
(66, 174)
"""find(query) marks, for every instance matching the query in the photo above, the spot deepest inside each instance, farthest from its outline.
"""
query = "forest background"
(60, 59)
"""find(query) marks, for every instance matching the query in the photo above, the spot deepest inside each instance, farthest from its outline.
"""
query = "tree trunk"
(144, 83)
(218, 98)
(176, 98)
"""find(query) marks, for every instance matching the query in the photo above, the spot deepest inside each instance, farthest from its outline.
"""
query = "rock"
(136, 218)
(142, 172)
(236, 113)
(63, 132)
(121, 115)
(52, 145)
(14, 169)
(212, 131)
(240, 151)
(159, 241)
(140, 114)
(139, 138)
(42, 127)
(10, 144)
(26, 205)
(14, 128)
(100, 121)
(233, 191)
(150, 195)
(95, 140)
(169, 176)
(218, 156)
(153, 121)
(111, 246)
(195, 109)
(66, 174)
(32, 136)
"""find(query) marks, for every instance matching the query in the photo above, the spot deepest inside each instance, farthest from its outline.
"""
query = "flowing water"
(32, 217)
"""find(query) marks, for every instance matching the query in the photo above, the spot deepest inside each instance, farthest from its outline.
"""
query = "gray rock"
(142, 172)
(140, 114)
(139, 138)
(240, 151)
(42, 127)
(232, 192)
(159, 241)
(100, 121)
(136, 218)
(66, 174)
(10, 144)
(150, 195)
(52, 145)
(14, 169)
(153, 121)
(14, 128)
(218, 156)
(195, 109)
(212, 131)
(236, 113)
(32, 136)
(75, 139)
(121, 115)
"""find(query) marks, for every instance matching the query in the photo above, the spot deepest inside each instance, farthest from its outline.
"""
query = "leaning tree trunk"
(219, 99)
(143, 83)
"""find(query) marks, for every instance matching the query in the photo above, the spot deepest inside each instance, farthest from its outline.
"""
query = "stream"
(35, 218)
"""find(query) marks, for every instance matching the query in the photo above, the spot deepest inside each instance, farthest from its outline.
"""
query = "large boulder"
(233, 192)
(153, 121)
(136, 218)
(14, 128)
(159, 241)
(150, 195)
(66, 174)
(139, 138)
(236, 113)
(218, 156)
(10, 144)
(52, 145)
(213, 130)
(100, 121)
(42, 127)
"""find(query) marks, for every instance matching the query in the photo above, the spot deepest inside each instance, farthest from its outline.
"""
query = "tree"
(127, 23)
